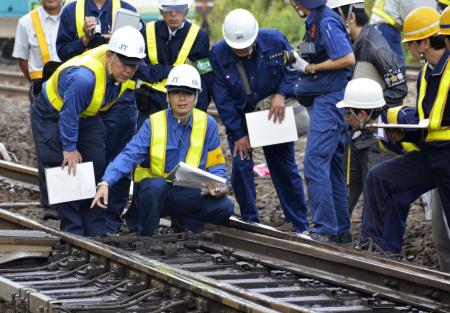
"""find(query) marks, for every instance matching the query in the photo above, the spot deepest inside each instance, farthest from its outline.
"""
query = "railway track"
(13, 84)
(252, 262)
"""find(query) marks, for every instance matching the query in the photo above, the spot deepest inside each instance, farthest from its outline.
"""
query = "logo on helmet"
(123, 47)
(174, 80)
(194, 82)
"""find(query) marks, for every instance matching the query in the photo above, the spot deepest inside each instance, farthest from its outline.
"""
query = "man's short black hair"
(437, 42)
(362, 19)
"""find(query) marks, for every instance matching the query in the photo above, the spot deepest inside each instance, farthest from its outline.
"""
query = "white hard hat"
(340, 3)
(129, 44)
(184, 77)
(240, 29)
(173, 3)
(362, 93)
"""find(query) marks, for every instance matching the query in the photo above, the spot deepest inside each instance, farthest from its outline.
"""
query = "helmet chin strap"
(362, 123)
(110, 70)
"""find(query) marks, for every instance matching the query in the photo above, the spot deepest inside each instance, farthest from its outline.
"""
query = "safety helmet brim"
(130, 61)
(356, 105)
(185, 89)
(241, 45)
(174, 8)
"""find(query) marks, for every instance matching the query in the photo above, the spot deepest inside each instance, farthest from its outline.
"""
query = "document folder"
(186, 175)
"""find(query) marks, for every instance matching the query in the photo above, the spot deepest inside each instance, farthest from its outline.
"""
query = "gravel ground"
(15, 134)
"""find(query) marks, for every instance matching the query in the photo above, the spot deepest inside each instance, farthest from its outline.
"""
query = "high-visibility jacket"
(43, 46)
(93, 60)
(383, 9)
(182, 54)
(436, 131)
(158, 144)
(444, 2)
(79, 14)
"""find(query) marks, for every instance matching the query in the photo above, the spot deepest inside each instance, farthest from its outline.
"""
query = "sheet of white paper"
(64, 188)
(263, 132)
(192, 177)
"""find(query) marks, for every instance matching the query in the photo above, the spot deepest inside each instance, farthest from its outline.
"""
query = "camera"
(306, 50)
(97, 31)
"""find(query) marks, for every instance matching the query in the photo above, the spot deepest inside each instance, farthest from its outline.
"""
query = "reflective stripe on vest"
(43, 46)
(93, 60)
(378, 9)
(158, 144)
(435, 130)
(182, 54)
(392, 117)
(79, 14)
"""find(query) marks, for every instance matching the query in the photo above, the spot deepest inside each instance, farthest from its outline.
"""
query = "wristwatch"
(103, 183)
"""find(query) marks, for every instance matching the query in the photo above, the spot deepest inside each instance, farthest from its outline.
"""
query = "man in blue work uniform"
(65, 116)
(325, 73)
(178, 134)
(248, 68)
(423, 170)
(86, 24)
(170, 41)
(374, 60)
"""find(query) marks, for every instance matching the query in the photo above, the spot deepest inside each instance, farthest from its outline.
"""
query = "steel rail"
(15, 78)
(13, 91)
(156, 270)
(18, 172)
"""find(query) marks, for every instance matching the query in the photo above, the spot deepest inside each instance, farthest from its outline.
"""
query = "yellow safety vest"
(182, 55)
(79, 14)
(436, 132)
(158, 144)
(42, 41)
(93, 60)
(392, 117)
(378, 9)
(445, 2)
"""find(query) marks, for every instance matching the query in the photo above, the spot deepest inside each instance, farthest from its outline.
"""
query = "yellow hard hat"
(444, 23)
(421, 23)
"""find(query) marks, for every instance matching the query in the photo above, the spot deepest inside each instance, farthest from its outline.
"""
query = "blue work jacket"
(331, 42)
(168, 48)
(178, 143)
(68, 44)
(76, 87)
(266, 73)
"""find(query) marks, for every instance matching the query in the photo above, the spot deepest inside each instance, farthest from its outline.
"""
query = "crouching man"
(179, 133)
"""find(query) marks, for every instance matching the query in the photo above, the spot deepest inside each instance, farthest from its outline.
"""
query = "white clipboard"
(423, 124)
(189, 176)
(62, 187)
(126, 17)
(264, 132)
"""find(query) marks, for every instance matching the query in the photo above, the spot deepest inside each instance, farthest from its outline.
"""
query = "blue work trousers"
(324, 169)
(286, 180)
(157, 198)
(409, 175)
(35, 89)
(393, 38)
(76, 217)
(120, 126)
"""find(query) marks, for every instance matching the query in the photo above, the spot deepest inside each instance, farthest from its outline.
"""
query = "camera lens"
(288, 57)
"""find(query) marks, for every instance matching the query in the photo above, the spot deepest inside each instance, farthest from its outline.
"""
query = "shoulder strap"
(244, 77)
(43, 46)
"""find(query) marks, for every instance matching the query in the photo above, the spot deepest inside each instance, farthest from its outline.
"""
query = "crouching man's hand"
(218, 191)
(101, 197)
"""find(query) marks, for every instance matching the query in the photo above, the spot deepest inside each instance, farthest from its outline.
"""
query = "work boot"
(50, 214)
(370, 246)
(344, 239)
(319, 237)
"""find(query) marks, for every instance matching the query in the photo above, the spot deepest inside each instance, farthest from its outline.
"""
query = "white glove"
(300, 63)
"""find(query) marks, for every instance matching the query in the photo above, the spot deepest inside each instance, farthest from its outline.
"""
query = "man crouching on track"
(67, 122)
(179, 133)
